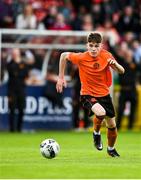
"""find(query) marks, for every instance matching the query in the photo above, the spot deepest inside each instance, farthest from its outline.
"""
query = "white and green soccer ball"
(49, 148)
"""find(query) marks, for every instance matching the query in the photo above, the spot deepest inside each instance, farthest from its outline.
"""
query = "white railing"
(43, 46)
(46, 33)
(16, 33)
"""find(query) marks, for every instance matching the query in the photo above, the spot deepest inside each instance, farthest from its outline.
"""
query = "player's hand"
(61, 82)
(111, 62)
(116, 66)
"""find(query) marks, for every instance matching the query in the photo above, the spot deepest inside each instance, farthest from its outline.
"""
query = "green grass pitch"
(78, 159)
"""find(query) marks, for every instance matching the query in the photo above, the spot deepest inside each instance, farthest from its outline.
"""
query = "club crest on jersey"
(96, 65)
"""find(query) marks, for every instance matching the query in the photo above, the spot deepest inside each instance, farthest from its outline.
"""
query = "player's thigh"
(98, 110)
(111, 122)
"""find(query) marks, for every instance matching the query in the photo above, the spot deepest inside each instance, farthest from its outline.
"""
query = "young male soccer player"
(95, 77)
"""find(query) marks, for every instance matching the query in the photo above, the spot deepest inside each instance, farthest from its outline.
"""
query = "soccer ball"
(49, 148)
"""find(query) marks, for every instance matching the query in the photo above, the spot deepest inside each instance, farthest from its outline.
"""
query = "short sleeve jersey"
(94, 72)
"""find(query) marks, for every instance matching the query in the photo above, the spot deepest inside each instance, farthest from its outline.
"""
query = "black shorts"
(105, 101)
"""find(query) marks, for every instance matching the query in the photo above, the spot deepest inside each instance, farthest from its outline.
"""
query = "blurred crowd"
(119, 16)
(119, 21)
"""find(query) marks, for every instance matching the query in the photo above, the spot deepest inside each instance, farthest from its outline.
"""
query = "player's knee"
(101, 113)
(111, 125)
(98, 110)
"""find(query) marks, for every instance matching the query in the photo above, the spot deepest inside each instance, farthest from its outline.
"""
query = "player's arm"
(116, 66)
(61, 82)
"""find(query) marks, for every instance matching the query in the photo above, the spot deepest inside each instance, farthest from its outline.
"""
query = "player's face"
(94, 48)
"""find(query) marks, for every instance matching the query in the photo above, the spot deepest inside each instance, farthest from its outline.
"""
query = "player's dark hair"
(94, 37)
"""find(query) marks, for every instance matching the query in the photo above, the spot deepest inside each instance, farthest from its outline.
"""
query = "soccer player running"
(95, 76)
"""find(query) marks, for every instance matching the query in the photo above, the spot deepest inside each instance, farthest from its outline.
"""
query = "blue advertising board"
(39, 111)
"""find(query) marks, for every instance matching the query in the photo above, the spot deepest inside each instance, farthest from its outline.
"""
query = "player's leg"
(91, 104)
(12, 107)
(20, 107)
(106, 102)
(100, 113)
(111, 136)
(20, 120)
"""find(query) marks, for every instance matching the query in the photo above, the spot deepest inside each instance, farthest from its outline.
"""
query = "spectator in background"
(110, 32)
(79, 4)
(137, 56)
(60, 23)
(18, 72)
(17, 6)
(35, 60)
(128, 37)
(50, 90)
(3, 72)
(128, 92)
(49, 19)
(137, 51)
(27, 20)
(87, 23)
(77, 17)
(119, 5)
(107, 9)
(128, 21)
(39, 55)
(6, 14)
(97, 15)
(67, 9)
(76, 22)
